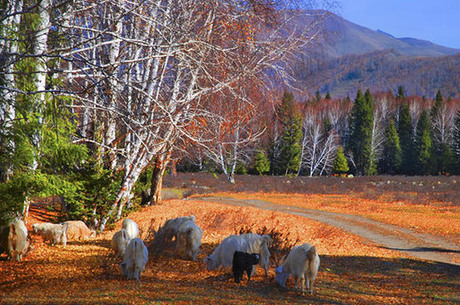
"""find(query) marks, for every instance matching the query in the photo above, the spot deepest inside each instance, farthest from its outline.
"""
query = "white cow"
(302, 263)
(55, 233)
(249, 243)
(189, 240)
(14, 240)
(134, 259)
(131, 227)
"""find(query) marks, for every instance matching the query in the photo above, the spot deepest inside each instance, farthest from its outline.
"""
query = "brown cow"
(78, 230)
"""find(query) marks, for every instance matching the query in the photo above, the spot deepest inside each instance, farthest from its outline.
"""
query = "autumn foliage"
(353, 270)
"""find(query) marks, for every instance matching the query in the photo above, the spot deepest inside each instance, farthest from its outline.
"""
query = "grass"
(443, 190)
(352, 271)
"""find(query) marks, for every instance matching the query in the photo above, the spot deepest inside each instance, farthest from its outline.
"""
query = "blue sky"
(435, 20)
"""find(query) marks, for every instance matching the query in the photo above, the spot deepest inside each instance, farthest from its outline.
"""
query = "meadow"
(353, 270)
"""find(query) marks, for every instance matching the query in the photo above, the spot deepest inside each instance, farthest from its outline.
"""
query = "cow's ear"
(12, 229)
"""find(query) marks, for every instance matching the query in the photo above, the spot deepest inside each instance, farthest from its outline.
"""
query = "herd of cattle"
(241, 252)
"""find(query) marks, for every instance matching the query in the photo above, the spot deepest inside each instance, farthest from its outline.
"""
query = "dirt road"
(419, 245)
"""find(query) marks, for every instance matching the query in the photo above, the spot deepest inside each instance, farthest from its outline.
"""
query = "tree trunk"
(123, 196)
(174, 168)
(157, 183)
(157, 177)
(25, 210)
(40, 48)
(8, 50)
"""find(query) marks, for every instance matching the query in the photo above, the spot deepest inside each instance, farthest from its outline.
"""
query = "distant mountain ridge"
(350, 38)
(354, 57)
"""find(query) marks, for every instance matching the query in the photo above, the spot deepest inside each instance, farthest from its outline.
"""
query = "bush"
(281, 243)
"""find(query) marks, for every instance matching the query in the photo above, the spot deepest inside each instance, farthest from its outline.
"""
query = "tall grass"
(416, 189)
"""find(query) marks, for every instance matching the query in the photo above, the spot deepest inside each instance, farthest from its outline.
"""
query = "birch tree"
(380, 112)
(442, 121)
(145, 68)
(319, 145)
(235, 126)
(9, 27)
(15, 32)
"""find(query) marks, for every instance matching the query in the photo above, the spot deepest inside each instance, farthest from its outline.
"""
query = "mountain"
(348, 38)
(382, 71)
(353, 57)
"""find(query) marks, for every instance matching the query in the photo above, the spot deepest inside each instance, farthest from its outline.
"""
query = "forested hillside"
(383, 71)
(372, 133)
(98, 99)
(348, 57)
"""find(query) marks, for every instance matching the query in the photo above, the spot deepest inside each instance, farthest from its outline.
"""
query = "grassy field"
(353, 270)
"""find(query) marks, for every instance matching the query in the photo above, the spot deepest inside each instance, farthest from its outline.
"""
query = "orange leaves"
(435, 219)
(352, 270)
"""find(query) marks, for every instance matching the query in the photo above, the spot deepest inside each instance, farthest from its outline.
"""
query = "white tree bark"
(319, 147)
(378, 132)
(443, 123)
(153, 66)
(8, 53)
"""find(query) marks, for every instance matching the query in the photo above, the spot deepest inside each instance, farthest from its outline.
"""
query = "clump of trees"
(378, 133)
(94, 94)
(98, 98)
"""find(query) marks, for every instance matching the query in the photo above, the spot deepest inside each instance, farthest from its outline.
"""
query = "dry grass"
(352, 271)
(414, 190)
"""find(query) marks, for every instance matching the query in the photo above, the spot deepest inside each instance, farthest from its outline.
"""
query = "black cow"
(243, 261)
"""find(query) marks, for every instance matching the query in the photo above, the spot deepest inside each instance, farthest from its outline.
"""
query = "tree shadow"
(424, 249)
(103, 243)
(372, 265)
(341, 280)
(41, 212)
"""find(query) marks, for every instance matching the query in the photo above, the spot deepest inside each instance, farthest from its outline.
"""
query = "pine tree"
(318, 97)
(391, 157)
(443, 154)
(438, 101)
(45, 160)
(406, 140)
(340, 163)
(261, 163)
(424, 145)
(361, 133)
(401, 93)
(288, 160)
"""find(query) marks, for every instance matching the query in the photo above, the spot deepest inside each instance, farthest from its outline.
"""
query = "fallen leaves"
(353, 270)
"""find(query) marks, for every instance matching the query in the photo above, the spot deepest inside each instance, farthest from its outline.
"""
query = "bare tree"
(235, 126)
(144, 69)
(380, 114)
(319, 145)
(443, 123)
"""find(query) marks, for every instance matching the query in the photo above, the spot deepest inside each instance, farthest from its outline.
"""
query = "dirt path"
(419, 245)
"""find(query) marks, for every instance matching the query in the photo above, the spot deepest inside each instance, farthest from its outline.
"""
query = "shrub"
(280, 246)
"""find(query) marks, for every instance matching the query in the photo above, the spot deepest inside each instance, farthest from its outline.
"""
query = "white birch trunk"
(8, 50)
(40, 49)
(378, 136)
(159, 62)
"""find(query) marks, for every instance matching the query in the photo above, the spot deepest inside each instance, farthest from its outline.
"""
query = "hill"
(382, 71)
(347, 38)
(352, 57)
